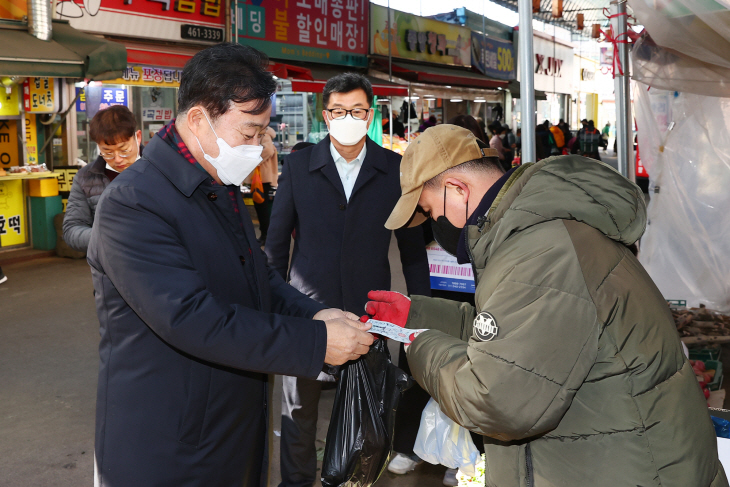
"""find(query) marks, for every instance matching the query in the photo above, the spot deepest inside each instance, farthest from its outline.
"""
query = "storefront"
(435, 60)
(36, 91)
(159, 39)
(585, 97)
(553, 75)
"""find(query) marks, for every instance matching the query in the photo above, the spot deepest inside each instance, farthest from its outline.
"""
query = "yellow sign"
(9, 155)
(40, 95)
(31, 138)
(13, 9)
(65, 179)
(148, 76)
(12, 213)
(9, 104)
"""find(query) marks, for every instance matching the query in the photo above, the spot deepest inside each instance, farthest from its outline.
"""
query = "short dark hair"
(226, 73)
(301, 145)
(112, 125)
(345, 83)
(485, 165)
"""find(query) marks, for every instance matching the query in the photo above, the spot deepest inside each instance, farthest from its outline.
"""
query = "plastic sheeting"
(699, 29)
(684, 141)
(670, 70)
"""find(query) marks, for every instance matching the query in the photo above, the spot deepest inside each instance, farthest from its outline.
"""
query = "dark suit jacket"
(186, 306)
(341, 248)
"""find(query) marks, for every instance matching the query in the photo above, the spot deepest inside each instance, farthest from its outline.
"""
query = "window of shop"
(153, 107)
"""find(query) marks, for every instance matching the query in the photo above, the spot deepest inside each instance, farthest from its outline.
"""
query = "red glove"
(388, 306)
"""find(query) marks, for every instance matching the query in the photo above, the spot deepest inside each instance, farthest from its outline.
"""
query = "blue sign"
(493, 57)
(80, 100)
(99, 97)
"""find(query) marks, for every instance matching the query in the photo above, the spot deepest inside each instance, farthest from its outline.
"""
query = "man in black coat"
(336, 196)
(192, 319)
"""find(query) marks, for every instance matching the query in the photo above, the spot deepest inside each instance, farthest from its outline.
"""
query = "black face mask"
(446, 234)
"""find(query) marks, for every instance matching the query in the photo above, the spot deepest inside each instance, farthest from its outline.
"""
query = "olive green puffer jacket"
(570, 365)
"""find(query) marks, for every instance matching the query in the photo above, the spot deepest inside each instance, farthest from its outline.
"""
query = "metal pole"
(624, 142)
(392, 118)
(527, 81)
(235, 21)
(229, 29)
(390, 40)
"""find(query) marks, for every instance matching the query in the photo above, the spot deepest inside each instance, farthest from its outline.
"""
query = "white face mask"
(233, 164)
(348, 130)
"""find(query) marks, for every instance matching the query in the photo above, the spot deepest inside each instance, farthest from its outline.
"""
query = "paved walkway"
(48, 370)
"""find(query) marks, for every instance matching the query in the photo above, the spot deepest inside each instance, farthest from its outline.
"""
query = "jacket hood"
(567, 188)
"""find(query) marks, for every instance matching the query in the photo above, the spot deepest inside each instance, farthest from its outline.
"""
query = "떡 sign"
(12, 213)
(418, 38)
(322, 31)
(493, 57)
(158, 19)
(40, 95)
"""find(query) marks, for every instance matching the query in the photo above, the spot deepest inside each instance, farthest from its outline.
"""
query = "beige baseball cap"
(434, 151)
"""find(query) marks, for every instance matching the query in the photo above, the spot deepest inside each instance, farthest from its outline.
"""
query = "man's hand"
(388, 306)
(334, 313)
(346, 340)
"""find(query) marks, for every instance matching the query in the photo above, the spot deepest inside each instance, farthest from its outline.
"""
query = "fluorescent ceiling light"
(448, 86)
(456, 100)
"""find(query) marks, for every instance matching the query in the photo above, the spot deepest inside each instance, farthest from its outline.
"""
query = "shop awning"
(158, 55)
(70, 54)
(440, 75)
(312, 79)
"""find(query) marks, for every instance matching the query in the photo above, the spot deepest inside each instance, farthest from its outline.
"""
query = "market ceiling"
(592, 10)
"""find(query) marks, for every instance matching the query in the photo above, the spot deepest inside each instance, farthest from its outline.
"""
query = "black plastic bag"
(360, 435)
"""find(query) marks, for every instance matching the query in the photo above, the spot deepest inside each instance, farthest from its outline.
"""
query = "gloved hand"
(388, 306)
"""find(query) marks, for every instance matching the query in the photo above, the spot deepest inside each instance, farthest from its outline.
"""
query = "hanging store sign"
(80, 100)
(99, 97)
(31, 138)
(9, 154)
(12, 213)
(155, 114)
(148, 76)
(157, 19)
(321, 31)
(9, 102)
(418, 38)
(493, 57)
(40, 95)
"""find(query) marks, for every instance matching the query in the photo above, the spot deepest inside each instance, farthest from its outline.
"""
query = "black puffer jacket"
(86, 190)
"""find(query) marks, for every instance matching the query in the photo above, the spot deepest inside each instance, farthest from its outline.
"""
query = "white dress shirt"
(348, 171)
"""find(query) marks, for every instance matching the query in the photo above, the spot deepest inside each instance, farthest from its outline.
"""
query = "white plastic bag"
(441, 441)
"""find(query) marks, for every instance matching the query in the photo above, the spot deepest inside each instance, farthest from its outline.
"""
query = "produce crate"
(705, 353)
(716, 383)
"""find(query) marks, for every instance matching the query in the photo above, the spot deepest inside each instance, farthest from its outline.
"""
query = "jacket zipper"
(471, 257)
(528, 464)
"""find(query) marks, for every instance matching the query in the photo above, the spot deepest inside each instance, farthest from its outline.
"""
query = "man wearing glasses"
(336, 196)
(115, 132)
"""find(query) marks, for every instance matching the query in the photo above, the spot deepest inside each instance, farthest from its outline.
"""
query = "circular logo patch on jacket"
(485, 326)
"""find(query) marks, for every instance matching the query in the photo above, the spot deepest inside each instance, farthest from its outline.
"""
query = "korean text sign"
(418, 38)
(493, 57)
(323, 31)
(158, 19)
